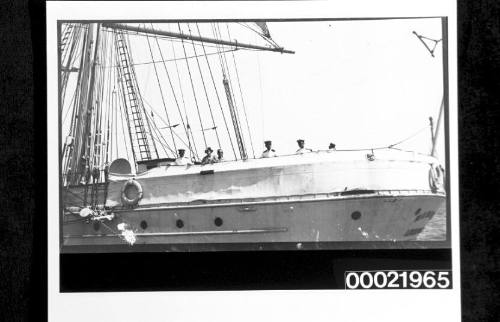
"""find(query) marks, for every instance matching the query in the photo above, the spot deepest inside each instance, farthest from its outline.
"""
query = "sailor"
(331, 147)
(182, 159)
(268, 152)
(302, 149)
(106, 172)
(208, 158)
(96, 174)
(69, 174)
(220, 156)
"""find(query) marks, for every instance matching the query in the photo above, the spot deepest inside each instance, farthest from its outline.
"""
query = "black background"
(264, 270)
(23, 186)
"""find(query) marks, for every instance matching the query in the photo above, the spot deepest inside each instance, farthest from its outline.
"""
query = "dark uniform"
(208, 158)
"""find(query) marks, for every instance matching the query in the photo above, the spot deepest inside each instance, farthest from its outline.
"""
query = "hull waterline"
(378, 217)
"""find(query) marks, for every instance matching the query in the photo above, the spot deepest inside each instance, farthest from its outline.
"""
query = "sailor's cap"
(300, 140)
(267, 142)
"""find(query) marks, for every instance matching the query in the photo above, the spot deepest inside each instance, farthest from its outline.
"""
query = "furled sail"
(263, 26)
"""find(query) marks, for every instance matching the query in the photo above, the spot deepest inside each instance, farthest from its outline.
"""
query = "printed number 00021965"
(398, 279)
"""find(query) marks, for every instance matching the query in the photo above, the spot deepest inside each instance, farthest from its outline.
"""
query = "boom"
(181, 35)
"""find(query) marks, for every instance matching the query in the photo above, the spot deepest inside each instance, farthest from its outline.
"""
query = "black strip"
(235, 270)
(446, 102)
(356, 192)
(479, 159)
(276, 246)
(38, 277)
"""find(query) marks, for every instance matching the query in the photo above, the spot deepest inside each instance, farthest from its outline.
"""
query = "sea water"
(435, 228)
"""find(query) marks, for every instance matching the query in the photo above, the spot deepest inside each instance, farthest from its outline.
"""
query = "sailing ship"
(123, 189)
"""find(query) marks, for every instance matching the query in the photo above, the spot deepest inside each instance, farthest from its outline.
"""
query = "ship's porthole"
(144, 224)
(96, 225)
(418, 211)
(356, 215)
(218, 221)
(179, 223)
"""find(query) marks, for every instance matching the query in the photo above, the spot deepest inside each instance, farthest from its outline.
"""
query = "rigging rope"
(184, 105)
(407, 138)
(67, 34)
(217, 93)
(390, 146)
(139, 99)
(177, 59)
(204, 88)
(430, 50)
(99, 106)
(171, 39)
(73, 159)
(214, 31)
(123, 111)
(108, 104)
(223, 70)
(242, 100)
(173, 91)
(192, 87)
(115, 115)
(123, 128)
(71, 102)
(161, 94)
(99, 94)
(165, 123)
(75, 40)
(230, 83)
(74, 194)
(86, 148)
(268, 40)
(114, 109)
(160, 137)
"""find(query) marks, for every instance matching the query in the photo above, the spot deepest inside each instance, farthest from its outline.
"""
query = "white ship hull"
(316, 198)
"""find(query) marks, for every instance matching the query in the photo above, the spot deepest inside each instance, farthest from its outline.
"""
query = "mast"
(444, 110)
(72, 164)
(444, 39)
(194, 38)
(435, 132)
(234, 118)
(84, 115)
(90, 96)
(445, 103)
